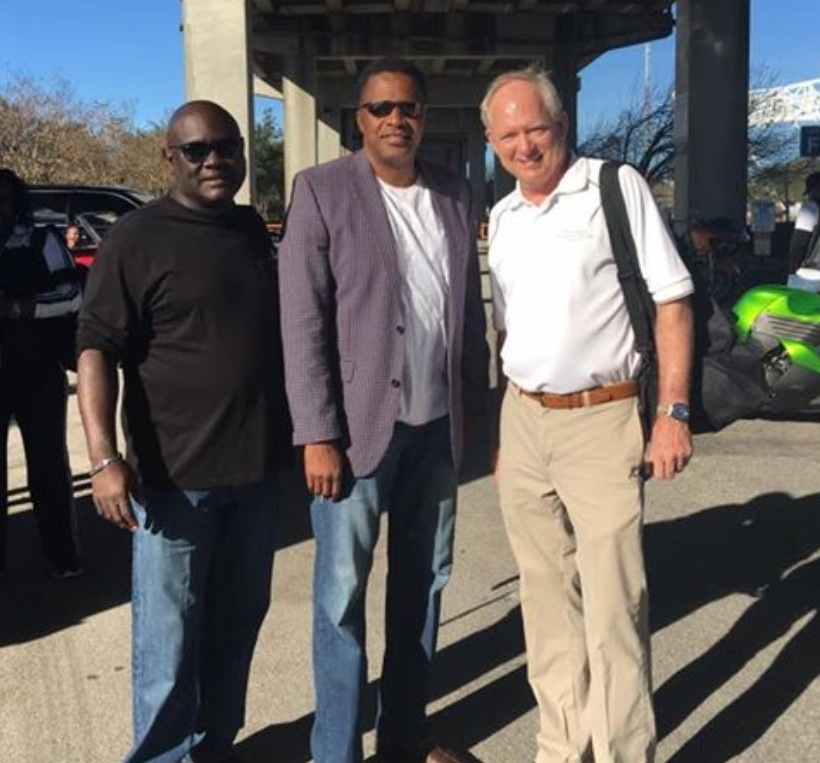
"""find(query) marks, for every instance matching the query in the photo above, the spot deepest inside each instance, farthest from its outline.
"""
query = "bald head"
(205, 151)
(198, 110)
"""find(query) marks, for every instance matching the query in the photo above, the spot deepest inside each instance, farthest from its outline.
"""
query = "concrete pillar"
(711, 109)
(300, 131)
(328, 142)
(564, 74)
(476, 149)
(217, 66)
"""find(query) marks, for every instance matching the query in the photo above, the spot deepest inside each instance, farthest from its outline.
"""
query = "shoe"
(68, 573)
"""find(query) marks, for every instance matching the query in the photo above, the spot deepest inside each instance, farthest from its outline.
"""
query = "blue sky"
(130, 52)
(783, 45)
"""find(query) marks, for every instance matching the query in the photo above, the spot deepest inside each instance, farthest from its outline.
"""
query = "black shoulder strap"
(639, 302)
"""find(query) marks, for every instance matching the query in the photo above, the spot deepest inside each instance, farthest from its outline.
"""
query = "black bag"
(728, 382)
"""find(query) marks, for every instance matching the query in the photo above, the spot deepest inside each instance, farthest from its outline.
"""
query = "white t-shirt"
(555, 281)
(421, 246)
(807, 216)
(807, 277)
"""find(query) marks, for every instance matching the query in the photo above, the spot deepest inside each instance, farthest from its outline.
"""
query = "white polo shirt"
(421, 247)
(555, 281)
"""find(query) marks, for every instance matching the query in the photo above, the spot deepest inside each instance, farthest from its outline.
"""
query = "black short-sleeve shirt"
(187, 302)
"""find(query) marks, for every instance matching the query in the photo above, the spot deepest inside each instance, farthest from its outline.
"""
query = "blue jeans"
(416, 483)
(202, 566)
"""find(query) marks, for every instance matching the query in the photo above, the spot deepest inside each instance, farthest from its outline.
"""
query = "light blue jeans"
(416, 484)
(202, 562)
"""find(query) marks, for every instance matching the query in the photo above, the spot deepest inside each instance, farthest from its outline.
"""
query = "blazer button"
(399, 329)
(395, 383)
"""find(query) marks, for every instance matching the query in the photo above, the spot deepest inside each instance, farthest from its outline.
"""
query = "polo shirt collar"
(574, 180)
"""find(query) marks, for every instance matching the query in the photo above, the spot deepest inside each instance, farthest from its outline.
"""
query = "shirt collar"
(575, 179)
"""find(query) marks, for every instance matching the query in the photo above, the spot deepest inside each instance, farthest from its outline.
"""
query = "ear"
(359, 121)
(167, 154)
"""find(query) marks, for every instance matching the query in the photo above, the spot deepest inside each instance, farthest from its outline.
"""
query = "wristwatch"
(677, 411)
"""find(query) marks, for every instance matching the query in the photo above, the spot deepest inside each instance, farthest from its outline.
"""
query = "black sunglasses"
(197, 151)
(408, 109)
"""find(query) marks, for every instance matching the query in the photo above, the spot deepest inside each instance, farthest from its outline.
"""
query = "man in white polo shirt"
(572, 454)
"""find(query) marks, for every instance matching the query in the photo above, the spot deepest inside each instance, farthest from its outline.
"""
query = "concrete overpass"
(311, 51)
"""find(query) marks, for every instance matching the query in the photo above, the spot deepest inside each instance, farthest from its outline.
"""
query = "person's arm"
(97, 392)
(306, 298)
(804, 224)
(798, 246)
(501, 388)
(670, 447)
(62, 297)
(475, 357)
(65, 295)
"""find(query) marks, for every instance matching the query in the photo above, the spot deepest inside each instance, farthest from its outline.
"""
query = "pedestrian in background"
(72, 237)
(39, 293)
(805, 224)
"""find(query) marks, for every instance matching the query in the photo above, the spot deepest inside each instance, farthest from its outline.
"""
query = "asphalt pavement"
(733, 548)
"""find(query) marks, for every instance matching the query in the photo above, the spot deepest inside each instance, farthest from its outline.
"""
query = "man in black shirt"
(183, 296)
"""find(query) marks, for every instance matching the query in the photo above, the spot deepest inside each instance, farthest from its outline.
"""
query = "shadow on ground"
(460, 725)
(33, 604)
(762, 549)
(765, 549)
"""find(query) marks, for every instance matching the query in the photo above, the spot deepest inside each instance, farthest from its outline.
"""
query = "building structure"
(311, 51)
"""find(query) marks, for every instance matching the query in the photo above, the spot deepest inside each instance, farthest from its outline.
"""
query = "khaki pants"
(572, 504)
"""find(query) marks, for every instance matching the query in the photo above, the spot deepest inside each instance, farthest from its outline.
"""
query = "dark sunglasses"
(197, 151)
(408, 109)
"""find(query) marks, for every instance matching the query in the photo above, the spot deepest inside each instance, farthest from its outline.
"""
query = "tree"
(643, 135)
(270, 168)
(47, 135)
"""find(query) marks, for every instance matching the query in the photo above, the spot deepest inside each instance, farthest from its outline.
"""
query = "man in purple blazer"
(385, 353)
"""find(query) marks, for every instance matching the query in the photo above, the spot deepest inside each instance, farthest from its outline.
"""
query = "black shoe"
(68, 573)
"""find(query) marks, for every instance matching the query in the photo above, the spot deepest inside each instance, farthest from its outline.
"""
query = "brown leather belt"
(585, 398)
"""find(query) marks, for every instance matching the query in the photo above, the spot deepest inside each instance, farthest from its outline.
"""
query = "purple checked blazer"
(342, 322)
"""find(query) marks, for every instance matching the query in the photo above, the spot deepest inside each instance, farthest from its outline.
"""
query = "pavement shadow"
(737, 548)
(33, 604)
(460, 725)
(763, 548)
(760, 548)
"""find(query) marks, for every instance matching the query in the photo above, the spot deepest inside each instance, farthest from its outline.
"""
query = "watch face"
(679, 411)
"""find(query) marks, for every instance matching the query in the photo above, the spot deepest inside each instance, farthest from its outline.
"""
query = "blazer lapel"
(374, 216)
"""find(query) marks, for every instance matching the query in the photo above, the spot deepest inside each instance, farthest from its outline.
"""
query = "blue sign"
(810, 140)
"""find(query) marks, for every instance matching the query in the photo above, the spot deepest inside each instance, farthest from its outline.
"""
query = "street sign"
(810, 140)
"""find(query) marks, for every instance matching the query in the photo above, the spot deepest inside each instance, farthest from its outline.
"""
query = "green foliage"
(270, 168)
